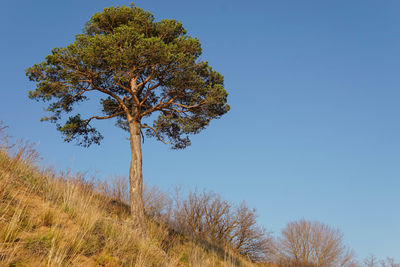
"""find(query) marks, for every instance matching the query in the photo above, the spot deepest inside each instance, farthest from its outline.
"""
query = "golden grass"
(61, 220)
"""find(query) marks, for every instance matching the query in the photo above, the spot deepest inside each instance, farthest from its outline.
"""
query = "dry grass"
(47, 219)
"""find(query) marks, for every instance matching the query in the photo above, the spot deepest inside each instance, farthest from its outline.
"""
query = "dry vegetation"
(50, 219)
(305, 243)
(63, 219)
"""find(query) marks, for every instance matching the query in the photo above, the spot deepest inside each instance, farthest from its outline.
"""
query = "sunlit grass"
(50, 219)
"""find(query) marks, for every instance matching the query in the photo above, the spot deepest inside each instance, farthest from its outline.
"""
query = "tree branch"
(94, 87)
(84, 90)
(174, 110)
(127, 89)
(119, 100)
(105, 117)
(160, 105)
(190, 107)
(153, 71)
(155, 132)
(154, 86)
(148, 92)
(81, 93)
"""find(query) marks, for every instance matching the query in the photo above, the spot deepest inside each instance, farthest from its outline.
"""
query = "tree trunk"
(136, 179)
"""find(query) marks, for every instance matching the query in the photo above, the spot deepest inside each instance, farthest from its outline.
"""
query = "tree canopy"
(142, 67)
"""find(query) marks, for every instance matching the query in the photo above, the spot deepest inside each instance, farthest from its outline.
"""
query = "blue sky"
(314, 126)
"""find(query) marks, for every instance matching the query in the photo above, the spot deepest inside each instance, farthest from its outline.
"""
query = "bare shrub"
(116, 187)
(206, 215)
(372, 261)
(25, 152)
(16, 155)
(306, 243)
(21, 149)
(248, 238)
(157, 204)
(389, 262)
(188, 213)
(4, 138)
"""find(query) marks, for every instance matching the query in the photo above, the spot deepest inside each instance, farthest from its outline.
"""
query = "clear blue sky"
(314, 126)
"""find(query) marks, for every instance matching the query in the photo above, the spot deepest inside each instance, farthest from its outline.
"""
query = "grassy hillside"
(61, 220)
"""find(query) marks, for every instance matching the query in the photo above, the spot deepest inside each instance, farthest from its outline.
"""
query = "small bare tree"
(115, 187)
(390, 262)
(372, 261)
(157, 203)
(206, 215)
(306, 243)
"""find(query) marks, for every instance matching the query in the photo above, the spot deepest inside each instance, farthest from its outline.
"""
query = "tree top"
(148, 72)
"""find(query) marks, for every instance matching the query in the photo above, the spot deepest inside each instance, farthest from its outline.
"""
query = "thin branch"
(148, 92)
(190, 107)
(81, 93)
(155, 132)
(94, 87)
(159, 106)
(174, 110)
(149, 89)
(141, 133)
(84, 90)
(119, 100)
(127, 89)
(105, 117)
(85, 81)
(153, 71)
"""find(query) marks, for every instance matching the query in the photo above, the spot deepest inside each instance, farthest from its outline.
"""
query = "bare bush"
(207, 216)
(14, 154)
(372, 261)
(204, 215)
(306, 243)
(157, 204)
(248, 238)
(4, 138)
(116, 187)
(389, 262)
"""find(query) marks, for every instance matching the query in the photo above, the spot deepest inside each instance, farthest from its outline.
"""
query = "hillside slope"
(61, 220)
